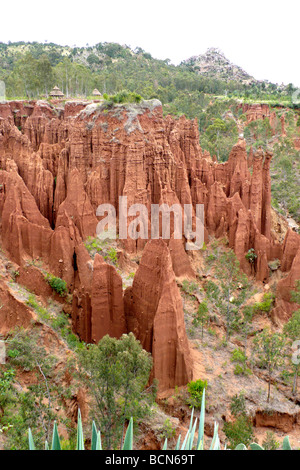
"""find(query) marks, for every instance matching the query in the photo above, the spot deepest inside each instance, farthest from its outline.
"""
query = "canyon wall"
(58, 164)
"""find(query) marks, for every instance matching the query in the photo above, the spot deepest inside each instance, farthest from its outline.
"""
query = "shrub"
(195, 390)
(266, 304)
(270, 442)
(121, 97)
(112, 255)
(240, 429)
(251, 256)
(238, 356)
(57, 284)
(42, 311)
(189, 286)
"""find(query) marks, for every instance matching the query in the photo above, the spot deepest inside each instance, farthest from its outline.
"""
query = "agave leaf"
(183, 447)
(128, 441)
(191, 421)
(192, 434)
(201, 422)
(217, 445)
(200, 445)
(55, 438)
(98, 442)
(255, 446)
(165, 447)
(286, 444)
(241, 447)
(94, 436)
(80, 441)
(215, 440)
(178, 443)
(30, 439)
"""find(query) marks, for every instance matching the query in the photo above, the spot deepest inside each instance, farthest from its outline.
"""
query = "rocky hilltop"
(214, 64)
(60, 162)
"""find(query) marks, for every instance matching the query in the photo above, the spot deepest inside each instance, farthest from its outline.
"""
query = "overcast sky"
(261, 36)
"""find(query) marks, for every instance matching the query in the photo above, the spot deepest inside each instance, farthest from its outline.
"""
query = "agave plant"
(96, 443)
(188, 442)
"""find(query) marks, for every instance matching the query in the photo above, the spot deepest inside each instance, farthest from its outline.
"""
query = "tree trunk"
(269, 387)
(295, 381)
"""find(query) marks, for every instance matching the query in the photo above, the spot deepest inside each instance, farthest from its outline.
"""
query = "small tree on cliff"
(229, 292)
(292, 330)
(116, 373)
(269, 353)
(201, 317)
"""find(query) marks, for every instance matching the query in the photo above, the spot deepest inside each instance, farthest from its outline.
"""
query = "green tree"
(240, 429)
(116, 372)
(45, 74)
(269, 352)
(33, 406)
(219, 137)
(292, 330)
(201, 317)
(270, 442)
(229, 292)
(245, 323)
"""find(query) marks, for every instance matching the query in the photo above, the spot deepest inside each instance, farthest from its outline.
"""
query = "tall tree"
(116, 373)
(229, 292)
(269, 352)
(292, 330)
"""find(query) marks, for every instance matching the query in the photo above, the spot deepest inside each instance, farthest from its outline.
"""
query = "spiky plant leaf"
(177, 447)
(215, 443)
(94, 436)
(98, 443)
(30, 439)
(55, 438)
(286, 444)
(191, 421)
(80, 440)
(192, 434)
(201, 423)
(128, 441)
(165, 447)
(241, 447)
(183, 447)
(255, 446)
(200, 445)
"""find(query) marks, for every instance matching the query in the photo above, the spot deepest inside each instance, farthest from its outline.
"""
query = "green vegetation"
(269, 353)
(251, 255)
(96, 443)
(57, 284)
(228, 293)
(95, 245)
(266, 305)
(239, 358)
(188, 442)
(32, 406)
(189, 287)
(195, 390)
(270, 442)
(56, 320)
(219, 137)
(240, 429)
(285, 170)
(202, 316)
(292, 330)
(116, 373)
(122, 97)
